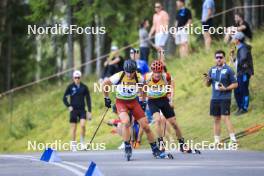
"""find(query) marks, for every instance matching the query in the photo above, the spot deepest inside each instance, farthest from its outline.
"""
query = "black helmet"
(130, 66)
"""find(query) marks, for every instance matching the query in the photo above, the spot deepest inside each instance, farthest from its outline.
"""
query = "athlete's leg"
(175, 126)
(73, 131)
(83, 129)
(158, 124)
(125, 126)
(143, 122)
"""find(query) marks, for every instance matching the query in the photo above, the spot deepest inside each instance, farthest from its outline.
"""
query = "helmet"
(157, 66)
(130, 66)
(76, 73)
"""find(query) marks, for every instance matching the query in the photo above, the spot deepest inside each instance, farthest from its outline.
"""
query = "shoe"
(73, 146)
(122, 146)
(237, 112)
(241, 112)
(137, 145)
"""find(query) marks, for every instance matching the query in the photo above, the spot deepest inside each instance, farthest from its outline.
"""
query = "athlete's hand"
(70, 108)
(89, 116)
(107, 102)
(143, 105)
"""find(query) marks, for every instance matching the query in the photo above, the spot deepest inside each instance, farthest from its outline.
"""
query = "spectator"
(142, 66)
(160, 26)
(78, 93)
(183, 20)
(208, 11)
(113, 63)
(144, 42)
(240, 26)
(245, 69)
(222, 79)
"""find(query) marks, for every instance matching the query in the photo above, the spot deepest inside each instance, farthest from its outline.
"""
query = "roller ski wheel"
(163, 155)
(190, 151)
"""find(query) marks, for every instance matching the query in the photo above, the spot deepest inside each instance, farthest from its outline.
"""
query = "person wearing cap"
(183, 20)
(78, 93)
(113, 63)
(244, 68)
(223, 80)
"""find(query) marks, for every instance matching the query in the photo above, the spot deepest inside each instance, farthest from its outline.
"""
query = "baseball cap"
(238, 36)
(114, 48)
(76, 73)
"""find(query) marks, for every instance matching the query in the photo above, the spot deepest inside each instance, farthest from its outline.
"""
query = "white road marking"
(66, 167)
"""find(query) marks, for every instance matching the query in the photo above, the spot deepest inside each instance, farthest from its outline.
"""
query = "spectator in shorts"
(183, 20)
(207, 21)
(222, 79)
(160, 26)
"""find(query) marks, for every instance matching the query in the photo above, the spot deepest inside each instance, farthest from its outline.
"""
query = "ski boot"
(161, 144)
(185, 149)
(128, 151)
(158, 154)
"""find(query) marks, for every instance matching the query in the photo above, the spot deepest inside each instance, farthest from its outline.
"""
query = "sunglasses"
(219, 57)
(77, 78)
(136, 51)
(157, 7)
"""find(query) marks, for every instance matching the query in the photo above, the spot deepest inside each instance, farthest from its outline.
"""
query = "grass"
(38, 113)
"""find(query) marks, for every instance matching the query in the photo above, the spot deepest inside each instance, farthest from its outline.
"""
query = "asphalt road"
(209, 163)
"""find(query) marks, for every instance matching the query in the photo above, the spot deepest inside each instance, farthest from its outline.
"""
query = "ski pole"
(98, 126)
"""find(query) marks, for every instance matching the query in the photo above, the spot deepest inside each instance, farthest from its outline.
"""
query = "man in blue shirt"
(222, 79)
(207, 20)
(142, 65)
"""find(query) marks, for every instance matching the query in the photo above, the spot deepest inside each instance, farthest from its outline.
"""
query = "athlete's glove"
(143, 105)
(107, 102)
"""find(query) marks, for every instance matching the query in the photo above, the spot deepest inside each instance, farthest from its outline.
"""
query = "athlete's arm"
(152, 30)
(65, 97)
(88, 99)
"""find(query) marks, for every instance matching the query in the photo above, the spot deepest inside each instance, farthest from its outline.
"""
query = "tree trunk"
(70, 56)
(9, 55)
(170, 7)
(98, 44)
(88, 52)
(3, 4)
(255, 14)
(38, 57)
(247, 12)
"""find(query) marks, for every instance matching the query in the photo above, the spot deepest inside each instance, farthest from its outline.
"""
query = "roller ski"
(128, 152)
(158, 154)
(185, 149)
